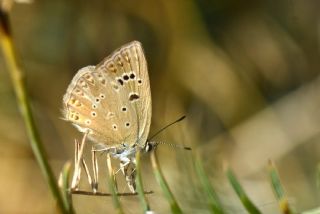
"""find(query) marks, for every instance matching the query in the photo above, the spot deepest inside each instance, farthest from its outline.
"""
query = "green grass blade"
(18, 81)
(250, 207)
(278, 190)
(65, 187)
(112, 189)
(163, 184)
(143, 200)
(213, 200)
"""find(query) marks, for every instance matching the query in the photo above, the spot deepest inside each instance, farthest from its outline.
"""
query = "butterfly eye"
(148, 147)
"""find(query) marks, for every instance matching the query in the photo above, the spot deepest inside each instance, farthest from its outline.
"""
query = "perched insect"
(111, 104)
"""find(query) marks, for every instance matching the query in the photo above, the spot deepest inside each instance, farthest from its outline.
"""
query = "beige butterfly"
(111, 104)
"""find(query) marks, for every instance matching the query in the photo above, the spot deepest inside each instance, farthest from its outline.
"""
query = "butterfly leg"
(128, 169)
(85, 166)
(76, 172)
(94, 159)
(78, 159)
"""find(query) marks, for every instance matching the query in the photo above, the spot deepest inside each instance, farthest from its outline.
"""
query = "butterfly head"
(149, 146)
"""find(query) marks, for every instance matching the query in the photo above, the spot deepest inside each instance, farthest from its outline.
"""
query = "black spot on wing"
(133, 97)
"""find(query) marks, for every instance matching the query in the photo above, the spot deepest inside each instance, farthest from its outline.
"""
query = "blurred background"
(246, 74)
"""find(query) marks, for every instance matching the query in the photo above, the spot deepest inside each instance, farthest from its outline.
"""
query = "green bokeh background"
(246, 74)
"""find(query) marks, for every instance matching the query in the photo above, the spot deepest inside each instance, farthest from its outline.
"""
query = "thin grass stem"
(112, 189)
(279, 190)
(213, 200)
(65, 186)
(143, 200)
(247, 203)
(163, 184)
(18, 81)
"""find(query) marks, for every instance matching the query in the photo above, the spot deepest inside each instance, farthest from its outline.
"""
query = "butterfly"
(111, 104)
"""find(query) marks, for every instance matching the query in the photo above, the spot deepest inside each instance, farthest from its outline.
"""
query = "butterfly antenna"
(170, 124)
(169, 144)
(173, 145)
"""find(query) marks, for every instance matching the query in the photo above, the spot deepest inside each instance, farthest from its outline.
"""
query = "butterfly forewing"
(112, 100)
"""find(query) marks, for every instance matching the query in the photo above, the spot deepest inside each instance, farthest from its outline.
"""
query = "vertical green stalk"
(140, 190)
(17, 78)
(65, 187)
(278, 190)
(213, 200)
(163, 184)
(247, 203)
(112, 189)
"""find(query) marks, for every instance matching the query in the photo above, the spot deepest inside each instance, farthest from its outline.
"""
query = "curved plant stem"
(245, 200)
(65, 186)
(142, 197)
(213, 200)
(17, 78)
(163, 183)
(278, 190)
(112, 189)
